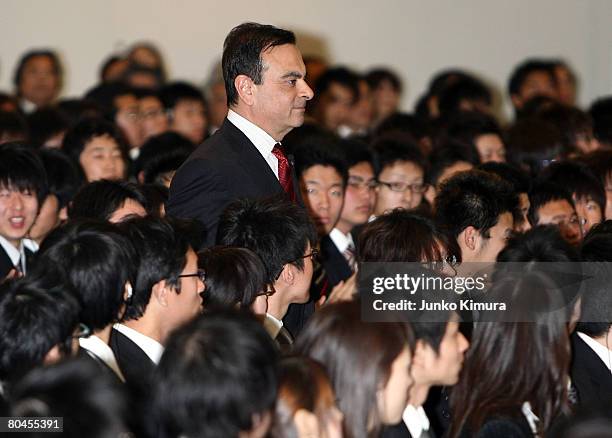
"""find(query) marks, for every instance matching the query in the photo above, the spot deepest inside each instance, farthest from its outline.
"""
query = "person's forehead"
(282, 59)
(362, 169)
(125, 100)
(322, 174)
(556, 208)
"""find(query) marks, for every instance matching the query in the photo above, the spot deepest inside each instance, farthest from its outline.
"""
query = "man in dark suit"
(267, 94)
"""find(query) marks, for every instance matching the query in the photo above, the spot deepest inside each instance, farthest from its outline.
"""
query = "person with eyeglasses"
(152, 113)
(552, 204)
(400, 174)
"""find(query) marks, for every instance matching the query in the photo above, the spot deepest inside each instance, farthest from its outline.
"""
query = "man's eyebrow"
(292, 74)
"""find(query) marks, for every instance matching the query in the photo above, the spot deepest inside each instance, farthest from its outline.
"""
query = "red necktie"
(284, 171)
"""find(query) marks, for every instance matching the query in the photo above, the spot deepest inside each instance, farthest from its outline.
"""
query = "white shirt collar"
(16, 255)
(604, 354)
(150, 346)
(272, 325)
(416, 420)
(262, 141)
(341, 240)
(97, 347)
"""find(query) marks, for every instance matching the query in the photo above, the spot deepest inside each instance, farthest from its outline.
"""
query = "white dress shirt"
(604, 354)
(416, 420)
(150, 346)
(341, 240)
(16, 255)
(262, 141)
(100, 349)
(272, 325)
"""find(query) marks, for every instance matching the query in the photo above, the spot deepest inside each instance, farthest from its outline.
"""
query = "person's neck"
(245, 112)
(14, 242)
(104, 334)
(148, 326)
(344, 227)
(418, 394)
(277, 307)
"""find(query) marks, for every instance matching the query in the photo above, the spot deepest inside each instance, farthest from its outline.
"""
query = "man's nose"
(306, 91)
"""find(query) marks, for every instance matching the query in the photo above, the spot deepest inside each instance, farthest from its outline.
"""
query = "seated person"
(160, 157)
(552, 204)
(38, 79)
(236, 400)
(531, 78)
(96, 148)
(477, 209)
(112, 201)
(386, 89)
(306, 405)
(186, 110)
(23, 188)
(152, 112)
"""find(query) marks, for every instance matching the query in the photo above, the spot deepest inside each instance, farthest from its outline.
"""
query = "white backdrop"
(414, 37)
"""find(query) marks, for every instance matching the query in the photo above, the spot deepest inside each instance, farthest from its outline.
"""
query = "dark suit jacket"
(591, 378)
(6, 264)
(84, 355)
(226, 167)
(136, 366)
(336, 266)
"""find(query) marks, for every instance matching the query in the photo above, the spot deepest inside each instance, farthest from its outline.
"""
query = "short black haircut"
(313, 153)
(578, 179)
(37, 313)
(277, 230)
(337, 75)
(533, 144)
(242, 51)
(85, 131)
(21, 169)
(173, 93)
(160, 154)
(466, 127)
(62, 177)
(156, 196)
(571, 122)
(471, 89)
(44, 123)
(541, 194)
(404, 123)
(161, 247)
(519, 179)
(76, 109)
(47, 53)
(13, 126)
(234, 277)
(473, 198)
(98, 200)
(601, 113)
(542, 243)
(377, 76)
(97, 261)
(523, 70)
(393, 148)
(105, 94)
(107, 64)
(448, 154)
(354, 152)
(86, 399)
(217, 373)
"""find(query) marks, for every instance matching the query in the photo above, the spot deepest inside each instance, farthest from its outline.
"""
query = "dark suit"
(226, 167)
(590, 376)
(334, 262)
(6, 264)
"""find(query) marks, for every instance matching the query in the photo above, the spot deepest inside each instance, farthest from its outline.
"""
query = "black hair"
(337, 75)
(533, 143)
(156, 196)
(76, 109)
(541, 194)
(100, 199)
(37, 313)
(134, 68)
(13, 126)
(578, 179)
(97, 261)
(601, 113)
(405, 123)
(217, 374)
(62, 177)
(107, 64)
(45, 123)
(453, 95)
(105, 94)
(234, 276)
(242, 51)
(277, 230)
(21, 169)
(377, 76)
(466, 127)
(473, 198)
(85, 131)
(173, 93)
(312, 153)
(523, 70)
(87, 401)
(162, 249)
(161, 154)
(542, 243)
(446, 155)
(354, 152)
(50, 54)
(571, 123)
(393, 148)
(519, 179)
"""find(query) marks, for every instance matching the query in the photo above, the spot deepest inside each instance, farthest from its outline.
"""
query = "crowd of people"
(179, 262)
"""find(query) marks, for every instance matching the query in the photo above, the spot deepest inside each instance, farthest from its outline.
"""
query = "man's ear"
(160, 293)
(54, 355)
(420, 353)
(288, 274)
(469, 238)
(245, 88)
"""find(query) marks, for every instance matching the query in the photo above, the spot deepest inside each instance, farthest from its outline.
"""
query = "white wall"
(415, 37)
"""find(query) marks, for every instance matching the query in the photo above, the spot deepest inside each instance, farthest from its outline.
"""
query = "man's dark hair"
(577, 179)
(394, 148)
(57, 66)
(312, 153)
(242, 51)
(217, 373)
(105, 94)
(520, 181)
(87, 401)
(601, 112)
(337, 75)
(470, 89)
(473, 198)
(173, 93)
(466, 127)
(37, 313)
(98, 200)
(62, 177)
(161, 154)
(571, 122)
(542, 243)
(76, 109)
(404, 123)
(448, 154)
(275, 229)
(97, 261)
(354, 152)
(161, 247)
(13, 125)
(377, 76)
(21, 169)
(44, 123)
(523, 70)
(541, 194)
(533, 144)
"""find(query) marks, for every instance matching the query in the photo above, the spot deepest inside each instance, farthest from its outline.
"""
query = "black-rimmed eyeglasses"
(200, 274)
